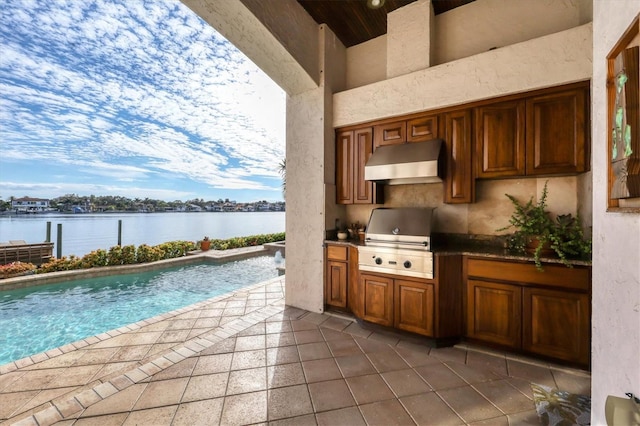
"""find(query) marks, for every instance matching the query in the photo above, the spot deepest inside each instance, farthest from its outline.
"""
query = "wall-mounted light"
(375, 4)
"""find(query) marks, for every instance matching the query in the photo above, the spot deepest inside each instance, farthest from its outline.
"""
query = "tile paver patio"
(246, 358)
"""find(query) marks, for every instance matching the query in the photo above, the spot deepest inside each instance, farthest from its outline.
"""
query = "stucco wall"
(616, 270)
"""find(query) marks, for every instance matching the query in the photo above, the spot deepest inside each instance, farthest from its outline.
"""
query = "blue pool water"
(37, 319)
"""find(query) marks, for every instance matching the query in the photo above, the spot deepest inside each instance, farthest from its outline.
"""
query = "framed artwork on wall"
(623, 118)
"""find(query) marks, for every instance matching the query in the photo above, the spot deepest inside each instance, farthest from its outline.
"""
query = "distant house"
(30, 205)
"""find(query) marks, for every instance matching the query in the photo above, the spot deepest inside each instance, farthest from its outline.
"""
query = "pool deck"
(247, 358)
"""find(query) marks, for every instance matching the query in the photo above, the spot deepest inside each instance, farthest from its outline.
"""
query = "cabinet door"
(363, 147)
(422, 129)
(459, 187)
(389, 134)
(376, 299)
(556, 134)
(500, 140)
(556, 324)
(414, 306)
(336, 284)
(494, 312)
(344, 167)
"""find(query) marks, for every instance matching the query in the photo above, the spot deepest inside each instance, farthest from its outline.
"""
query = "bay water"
(83, 233)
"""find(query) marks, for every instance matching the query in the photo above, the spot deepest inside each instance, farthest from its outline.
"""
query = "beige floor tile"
(289, 402)
(370, 346)
(165, 392)
(61, 361)
(285, 375)
(355, 365)
(479, 360)
(532, 373)
(344, 347)
(278, 327)
(131, 353)
(246, 408)
(207, 322)
(120, 402)
(315, 318)
(388, 339)
(75, 376)
(10, 403)
(206, 387)
(501, 394)
(36, 379)
(371, 388)
(344, 417)
(469, 404)
(156, 416)
(213, 364)
(280, 339)
(416, 356)
(308, 336)
(356, 329)
(248, 343)
(526, 418)
(249, 359)
(439, 376)
(174, 336)
(473, 375)
(199, 413)
(108, 370)
(330, 395)
(385, 413)
(47, 395)
(96, 356)
(449, 354)
(255, 330)
(574, 383)
(222, 347)
(320, 370)
(249, 380)
(6, 380)
(282, 355)
(183, 368)
(496, 421)
(430, 409)
(108, 420)
(307, 420)
(301, 325)
(387, 361)
(523, 386)
(337, 324)
(310, 351)
(405, 382)
(181, 324)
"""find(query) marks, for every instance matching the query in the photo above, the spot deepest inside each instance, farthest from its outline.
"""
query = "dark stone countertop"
(472, 245)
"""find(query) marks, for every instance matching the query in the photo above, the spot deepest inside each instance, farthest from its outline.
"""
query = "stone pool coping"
(210, 256)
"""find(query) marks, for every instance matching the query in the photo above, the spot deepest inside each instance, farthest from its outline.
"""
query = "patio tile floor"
(246, 358)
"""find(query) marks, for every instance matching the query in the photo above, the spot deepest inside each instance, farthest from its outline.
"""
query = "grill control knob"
(378, 261)
(407, 264)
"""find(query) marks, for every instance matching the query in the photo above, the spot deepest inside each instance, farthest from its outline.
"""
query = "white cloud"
(97, 83)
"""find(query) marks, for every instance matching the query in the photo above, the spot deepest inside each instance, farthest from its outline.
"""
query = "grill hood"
(406, 163)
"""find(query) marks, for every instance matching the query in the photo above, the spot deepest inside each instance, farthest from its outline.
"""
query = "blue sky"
(138, 98)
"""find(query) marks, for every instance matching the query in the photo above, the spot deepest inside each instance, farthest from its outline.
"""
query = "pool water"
(36, 319)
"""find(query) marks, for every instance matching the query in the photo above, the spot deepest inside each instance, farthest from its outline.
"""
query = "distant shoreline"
(13, 213)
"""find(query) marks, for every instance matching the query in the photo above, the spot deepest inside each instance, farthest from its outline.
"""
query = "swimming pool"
(36, 319)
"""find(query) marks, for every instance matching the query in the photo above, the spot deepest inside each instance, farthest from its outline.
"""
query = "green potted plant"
(536, 233)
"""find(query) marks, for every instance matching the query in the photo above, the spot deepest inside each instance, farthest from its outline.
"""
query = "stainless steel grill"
(398, 241)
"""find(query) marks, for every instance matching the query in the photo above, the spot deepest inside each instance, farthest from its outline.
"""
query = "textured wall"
(409, 38)
(616, 270)
(367, 62)
(543, 62)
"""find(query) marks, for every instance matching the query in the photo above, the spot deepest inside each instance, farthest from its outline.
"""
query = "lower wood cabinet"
(430, 307)
(512, 305)
(336, 283)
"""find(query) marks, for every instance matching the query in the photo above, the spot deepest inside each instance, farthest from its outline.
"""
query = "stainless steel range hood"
(405, 163)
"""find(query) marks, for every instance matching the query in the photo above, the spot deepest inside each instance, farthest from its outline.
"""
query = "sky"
(136, 98)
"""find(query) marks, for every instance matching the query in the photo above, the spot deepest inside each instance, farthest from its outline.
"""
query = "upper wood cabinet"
(417, 129)
(353, 149)
(545, 134)
(459, 187)
(556, 133)
(500, 139)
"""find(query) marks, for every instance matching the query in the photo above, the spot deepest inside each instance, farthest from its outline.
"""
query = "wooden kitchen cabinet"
(389, 134)
(494, 312)
(459, 180)
(513, 305)
(500, 139)
(337, 269)
(422, 129)
(556, 133)
(413, 306)
(430, 307)
(544, 134)
(353, 149)
(556, 324)
(376, 298)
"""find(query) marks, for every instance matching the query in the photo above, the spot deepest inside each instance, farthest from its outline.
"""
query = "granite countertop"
(471, 245)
